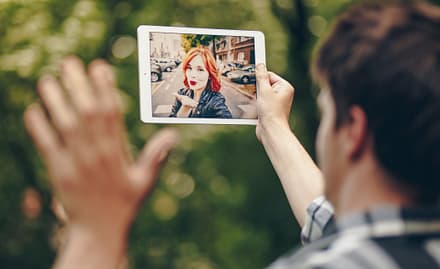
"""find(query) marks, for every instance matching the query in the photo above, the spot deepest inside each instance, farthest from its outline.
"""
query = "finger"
(111, 126)
(102, 78)
(278, 83)
(189, 102)
(178, 96)
(65, 121)
(75, 80)
(152, 158)
(59, 211)
(193, 102)
(57, 159)
(54, 100)
(42, 132)
(258, 131)
(274, 78)
(85, 138)
(106, 96)
(262, 76)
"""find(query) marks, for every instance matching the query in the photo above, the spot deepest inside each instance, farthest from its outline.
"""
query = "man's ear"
(356, 132)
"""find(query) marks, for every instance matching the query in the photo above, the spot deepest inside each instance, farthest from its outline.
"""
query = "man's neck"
(367, 186)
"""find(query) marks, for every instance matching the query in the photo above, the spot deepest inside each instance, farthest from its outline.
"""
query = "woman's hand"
(187, 104)
(186, 100)
(82, 140)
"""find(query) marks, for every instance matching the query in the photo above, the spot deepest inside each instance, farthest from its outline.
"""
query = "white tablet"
(198, 75)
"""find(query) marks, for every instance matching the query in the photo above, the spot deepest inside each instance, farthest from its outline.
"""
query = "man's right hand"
(275, 96)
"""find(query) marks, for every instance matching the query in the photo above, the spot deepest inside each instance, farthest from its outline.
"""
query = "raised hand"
(186, 100)
(82, 141)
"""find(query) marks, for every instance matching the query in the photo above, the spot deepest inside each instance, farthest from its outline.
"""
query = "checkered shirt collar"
(391, 221)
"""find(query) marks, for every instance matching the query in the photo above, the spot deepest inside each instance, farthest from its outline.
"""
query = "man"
(378, 143)
(378, 148)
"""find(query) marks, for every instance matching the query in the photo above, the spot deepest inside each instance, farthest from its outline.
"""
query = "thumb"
(152, 158)
(263, 82)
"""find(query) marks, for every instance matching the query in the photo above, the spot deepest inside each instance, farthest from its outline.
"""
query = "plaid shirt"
(386, 237)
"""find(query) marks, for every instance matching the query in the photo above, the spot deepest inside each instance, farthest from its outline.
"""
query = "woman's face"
(196, 73)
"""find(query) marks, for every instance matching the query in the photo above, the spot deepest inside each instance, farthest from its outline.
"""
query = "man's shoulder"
(322, 254)
(387, 253)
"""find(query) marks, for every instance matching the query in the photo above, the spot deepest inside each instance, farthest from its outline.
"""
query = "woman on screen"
(201, 97)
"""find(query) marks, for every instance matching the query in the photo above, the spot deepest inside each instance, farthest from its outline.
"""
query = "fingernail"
(45, 79)
(69, 62)
(62, 66)
(163, 155)
(171, 142)
(31, 110)
(108, 72)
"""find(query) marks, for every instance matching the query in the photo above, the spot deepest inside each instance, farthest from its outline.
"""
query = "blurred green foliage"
(219, 203)
(192, 41)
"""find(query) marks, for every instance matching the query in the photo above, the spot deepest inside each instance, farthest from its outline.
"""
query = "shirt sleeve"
(320, 220)
(320, 223)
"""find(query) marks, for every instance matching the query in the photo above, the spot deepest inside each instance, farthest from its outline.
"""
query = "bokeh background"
(219, 203)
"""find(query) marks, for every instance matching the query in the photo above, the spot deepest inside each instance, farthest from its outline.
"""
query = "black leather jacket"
(211, 105)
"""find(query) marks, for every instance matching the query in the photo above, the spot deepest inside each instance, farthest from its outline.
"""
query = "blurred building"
(238, 49)
(166, 45)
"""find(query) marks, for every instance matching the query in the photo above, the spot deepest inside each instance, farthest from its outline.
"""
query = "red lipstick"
(192, 82)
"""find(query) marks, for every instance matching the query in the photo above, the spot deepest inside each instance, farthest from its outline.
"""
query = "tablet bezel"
(143, 34)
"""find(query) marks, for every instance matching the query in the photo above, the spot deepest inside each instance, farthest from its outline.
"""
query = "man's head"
(383, 61)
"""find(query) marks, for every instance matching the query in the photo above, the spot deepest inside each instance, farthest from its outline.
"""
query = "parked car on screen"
(156, 72)
(177, 61)
(231, 67)
(166, 65)
(245, 75)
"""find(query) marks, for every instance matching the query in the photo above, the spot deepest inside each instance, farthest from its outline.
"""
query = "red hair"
(214, 77)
